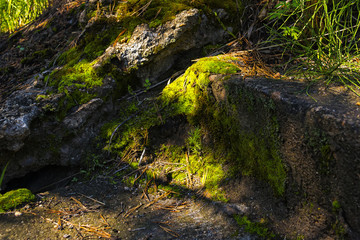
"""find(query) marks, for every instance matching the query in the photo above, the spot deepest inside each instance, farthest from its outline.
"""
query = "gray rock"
(153, 51)
(82, 113)
(16, 115)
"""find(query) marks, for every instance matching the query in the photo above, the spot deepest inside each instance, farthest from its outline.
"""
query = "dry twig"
(157, 199)
(79, 203)
(169, 231)
(92, 199)
(132, 210)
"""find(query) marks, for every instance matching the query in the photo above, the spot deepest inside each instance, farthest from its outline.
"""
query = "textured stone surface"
(16, 116)
(319, 142)
(154, 51)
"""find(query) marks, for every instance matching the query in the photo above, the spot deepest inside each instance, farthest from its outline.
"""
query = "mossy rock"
(14, 198)
(238, 151)
(250, 152)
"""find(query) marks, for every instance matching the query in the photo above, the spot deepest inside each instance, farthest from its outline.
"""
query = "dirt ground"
(104, 208)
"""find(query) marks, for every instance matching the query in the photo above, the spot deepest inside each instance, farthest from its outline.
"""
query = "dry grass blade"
(59, 223)
(136, 170)
(142, 9)
(106, 222)
(141, 174)
(163, 223)
(169, 231)
(79, 203)
(145, 190)
(157, 199)
(96, 231)
(97, 201)
(132, 210)
(175, 208)
(118, 37)
(189, 175)
(145, 195)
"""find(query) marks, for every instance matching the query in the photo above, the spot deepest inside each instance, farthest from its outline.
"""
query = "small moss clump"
(257, 228)
(15, 198)
(80, 76)
(187, 92)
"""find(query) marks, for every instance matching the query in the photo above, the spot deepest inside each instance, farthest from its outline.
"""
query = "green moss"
(252, 152)
(38, 56)
(186, 92)
(336, 206)
(319, 144)
(133, 129)
(42, 96)
(14, 198)
(257, 228)
(70, 57)
(77, 83)
(241, 150)
(81, 75)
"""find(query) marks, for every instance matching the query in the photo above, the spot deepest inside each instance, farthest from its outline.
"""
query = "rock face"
(319, 144)
(17, 114)
(154, 51)
(31, 136)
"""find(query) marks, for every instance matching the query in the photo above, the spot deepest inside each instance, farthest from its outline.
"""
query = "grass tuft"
(16, 13)
(324, 37)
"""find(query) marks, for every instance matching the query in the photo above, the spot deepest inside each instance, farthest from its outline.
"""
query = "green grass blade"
(3, 174)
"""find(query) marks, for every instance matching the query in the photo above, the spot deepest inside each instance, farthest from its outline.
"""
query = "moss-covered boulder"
(15, 198)
(53, 120)
(253, 140)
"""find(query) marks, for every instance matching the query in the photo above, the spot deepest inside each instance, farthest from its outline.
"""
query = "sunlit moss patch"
(15, 198)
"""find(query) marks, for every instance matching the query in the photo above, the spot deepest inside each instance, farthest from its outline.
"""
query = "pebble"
(66, 236)
(17, 214)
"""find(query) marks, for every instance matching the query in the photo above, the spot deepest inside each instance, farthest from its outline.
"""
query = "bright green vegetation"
(323, 35)
(186, 92)
(16, 13)
(14, 198)
(257, 228)
(81, 75)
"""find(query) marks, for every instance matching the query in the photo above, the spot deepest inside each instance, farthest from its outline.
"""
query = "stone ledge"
(319, 140)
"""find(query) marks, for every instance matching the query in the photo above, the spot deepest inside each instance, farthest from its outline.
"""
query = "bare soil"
(104, 208)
